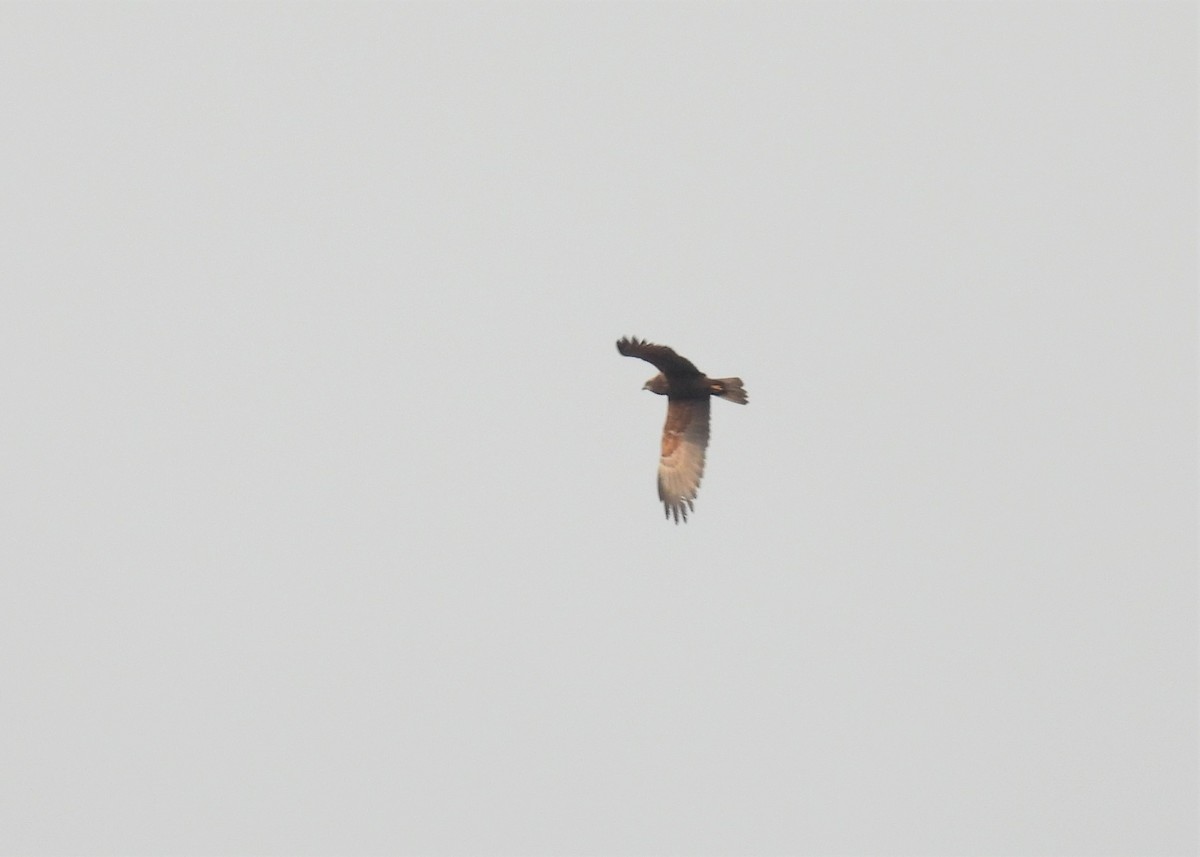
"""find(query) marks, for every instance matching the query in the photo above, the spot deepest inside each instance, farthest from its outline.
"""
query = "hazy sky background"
(329, 522)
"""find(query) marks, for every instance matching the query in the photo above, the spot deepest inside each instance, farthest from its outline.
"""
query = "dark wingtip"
(678, 511)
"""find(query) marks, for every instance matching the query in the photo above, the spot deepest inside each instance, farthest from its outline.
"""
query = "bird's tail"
(731, 389)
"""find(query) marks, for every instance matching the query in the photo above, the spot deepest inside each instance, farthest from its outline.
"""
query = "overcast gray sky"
(329, 511)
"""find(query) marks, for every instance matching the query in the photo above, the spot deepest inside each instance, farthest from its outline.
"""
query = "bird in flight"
(685, 436)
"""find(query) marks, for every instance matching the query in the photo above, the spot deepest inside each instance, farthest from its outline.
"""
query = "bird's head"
(657, 384)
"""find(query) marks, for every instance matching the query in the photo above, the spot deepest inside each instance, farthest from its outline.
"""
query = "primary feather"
(663, 359)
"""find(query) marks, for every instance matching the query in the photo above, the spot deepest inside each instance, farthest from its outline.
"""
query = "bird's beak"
(646, 386)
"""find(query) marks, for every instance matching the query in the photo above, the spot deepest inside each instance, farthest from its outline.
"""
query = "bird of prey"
(685, 436)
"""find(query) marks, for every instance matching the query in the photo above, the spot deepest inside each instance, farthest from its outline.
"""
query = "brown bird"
(685, 436)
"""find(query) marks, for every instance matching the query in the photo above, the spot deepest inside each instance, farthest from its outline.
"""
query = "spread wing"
(684, 440)
(664, 359)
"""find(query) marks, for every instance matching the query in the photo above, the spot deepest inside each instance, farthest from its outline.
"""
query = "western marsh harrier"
(685, 436)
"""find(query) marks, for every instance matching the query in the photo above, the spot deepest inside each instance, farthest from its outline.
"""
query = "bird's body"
(685, 435)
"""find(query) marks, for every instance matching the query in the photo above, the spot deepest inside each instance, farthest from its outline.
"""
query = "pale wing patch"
(685, 438)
